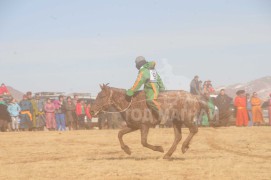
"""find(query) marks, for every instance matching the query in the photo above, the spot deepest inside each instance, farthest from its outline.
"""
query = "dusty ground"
(224, 153)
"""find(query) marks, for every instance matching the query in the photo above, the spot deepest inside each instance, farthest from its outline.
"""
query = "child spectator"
(50, 115)
(14, 111)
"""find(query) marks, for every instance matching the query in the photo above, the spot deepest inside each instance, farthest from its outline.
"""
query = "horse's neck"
(119, 99)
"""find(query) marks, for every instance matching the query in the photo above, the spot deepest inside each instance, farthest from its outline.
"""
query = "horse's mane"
(118, 89)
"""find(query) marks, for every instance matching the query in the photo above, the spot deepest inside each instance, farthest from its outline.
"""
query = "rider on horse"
(153, 84)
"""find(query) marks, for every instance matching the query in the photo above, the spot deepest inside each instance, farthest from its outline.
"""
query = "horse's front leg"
(122, 132)
(144, 136)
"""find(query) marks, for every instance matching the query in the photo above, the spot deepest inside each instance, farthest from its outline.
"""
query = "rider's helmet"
(140, 61)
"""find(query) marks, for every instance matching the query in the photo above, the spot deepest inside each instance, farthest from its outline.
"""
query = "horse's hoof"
(127, 150)
(166, 157)
(160, 149)
(185, 148)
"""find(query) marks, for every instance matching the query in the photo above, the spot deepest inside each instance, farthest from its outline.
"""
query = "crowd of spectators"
(247, 109)
(34, 113)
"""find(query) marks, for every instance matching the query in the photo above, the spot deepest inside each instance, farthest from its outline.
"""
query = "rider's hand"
(129, 93)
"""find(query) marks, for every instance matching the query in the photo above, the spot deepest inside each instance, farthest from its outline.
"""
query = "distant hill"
(262, 86)
(15, 93)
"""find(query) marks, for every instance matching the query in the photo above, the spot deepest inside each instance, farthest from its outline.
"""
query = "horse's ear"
(101, 87)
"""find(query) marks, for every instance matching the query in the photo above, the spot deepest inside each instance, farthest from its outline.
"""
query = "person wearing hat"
(153, 84)
(257, 113)
(240, 103)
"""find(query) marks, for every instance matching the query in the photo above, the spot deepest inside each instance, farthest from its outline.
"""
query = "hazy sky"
(75, 45)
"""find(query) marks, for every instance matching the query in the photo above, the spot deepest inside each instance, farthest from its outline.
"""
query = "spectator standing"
(3, 89)
(60, 117)
(223, 103)
(26, 114)
(249, 110)
(50, 115)
(257, 113)
(40, 115)
(240, 103)
(34, 109)
(81, 111)
(70, 115)
(14, 111)
(194, 86)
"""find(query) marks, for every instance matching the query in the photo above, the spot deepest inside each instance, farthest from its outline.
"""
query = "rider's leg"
(153, 104)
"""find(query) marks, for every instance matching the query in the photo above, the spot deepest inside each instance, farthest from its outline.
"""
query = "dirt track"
(224, 153)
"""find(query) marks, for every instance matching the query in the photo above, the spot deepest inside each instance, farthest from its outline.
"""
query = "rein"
(110, 102)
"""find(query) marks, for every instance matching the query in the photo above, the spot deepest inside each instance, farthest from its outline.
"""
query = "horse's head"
(103, 100)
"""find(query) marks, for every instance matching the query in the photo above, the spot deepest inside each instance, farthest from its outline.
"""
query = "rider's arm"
(141, 78)
(160, 83)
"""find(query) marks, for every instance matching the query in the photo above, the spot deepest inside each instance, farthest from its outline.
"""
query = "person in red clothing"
(240, 103)
(81, 112)
(3, 89)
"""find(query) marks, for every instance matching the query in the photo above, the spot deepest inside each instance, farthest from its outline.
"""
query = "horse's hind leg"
(122, 132)
(144, 141)
(177, 125)
(193, 130)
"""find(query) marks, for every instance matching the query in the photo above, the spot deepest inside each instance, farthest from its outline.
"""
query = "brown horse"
(178, 106)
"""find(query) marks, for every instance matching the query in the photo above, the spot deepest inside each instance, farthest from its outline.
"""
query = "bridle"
(111, 102)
